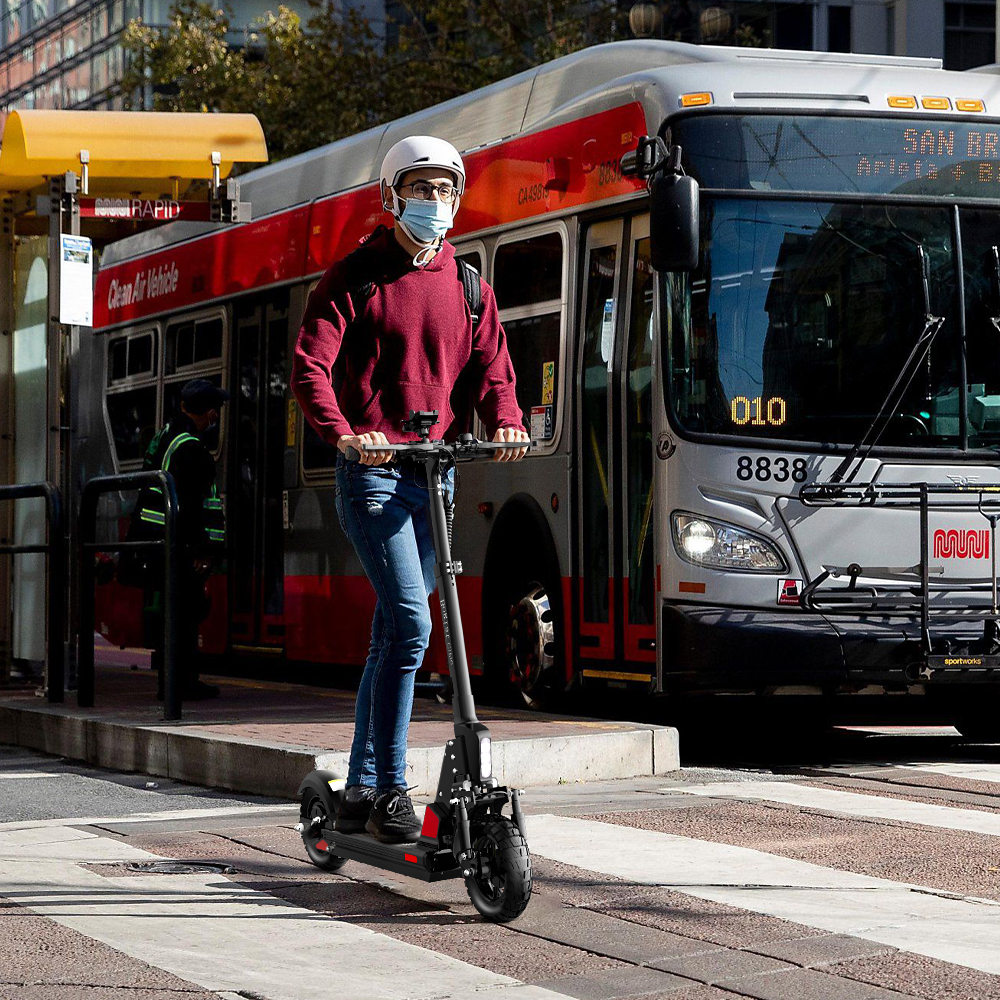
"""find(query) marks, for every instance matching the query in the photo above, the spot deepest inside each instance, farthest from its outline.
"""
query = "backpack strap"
(471, 287)
(359, 266)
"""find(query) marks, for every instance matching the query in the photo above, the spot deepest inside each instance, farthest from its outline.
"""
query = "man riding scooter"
(393, 328)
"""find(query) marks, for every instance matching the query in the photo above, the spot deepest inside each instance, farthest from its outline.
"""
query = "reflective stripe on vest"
(153, 516)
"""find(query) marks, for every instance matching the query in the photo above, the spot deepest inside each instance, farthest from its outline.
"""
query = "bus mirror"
(673, 222)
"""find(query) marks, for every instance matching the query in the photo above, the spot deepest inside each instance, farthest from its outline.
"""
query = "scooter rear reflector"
(322, 845)
(431, 824)
(410, 857)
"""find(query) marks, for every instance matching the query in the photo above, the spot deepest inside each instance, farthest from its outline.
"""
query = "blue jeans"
(384, 512)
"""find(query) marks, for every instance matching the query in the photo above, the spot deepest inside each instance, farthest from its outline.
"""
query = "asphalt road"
(862, 865)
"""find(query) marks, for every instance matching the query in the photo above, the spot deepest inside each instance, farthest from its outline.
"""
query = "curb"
(276, 769)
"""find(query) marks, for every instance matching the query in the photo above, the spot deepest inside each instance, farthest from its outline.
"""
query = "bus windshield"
(802, 312)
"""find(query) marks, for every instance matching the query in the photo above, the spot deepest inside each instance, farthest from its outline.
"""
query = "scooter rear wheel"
(500, 886)
(313, 807)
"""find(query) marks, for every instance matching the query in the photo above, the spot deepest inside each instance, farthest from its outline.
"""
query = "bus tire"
(521, 608)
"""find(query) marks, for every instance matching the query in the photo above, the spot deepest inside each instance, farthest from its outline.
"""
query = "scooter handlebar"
(426, 449)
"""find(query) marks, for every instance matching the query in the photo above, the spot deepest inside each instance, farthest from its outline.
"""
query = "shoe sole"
(391, 838)
(349, 826)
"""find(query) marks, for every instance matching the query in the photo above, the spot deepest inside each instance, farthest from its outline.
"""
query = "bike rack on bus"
(910, 588)
(54, 549)
(87, 530)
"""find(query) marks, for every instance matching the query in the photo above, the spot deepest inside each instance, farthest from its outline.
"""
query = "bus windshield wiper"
(887, 411)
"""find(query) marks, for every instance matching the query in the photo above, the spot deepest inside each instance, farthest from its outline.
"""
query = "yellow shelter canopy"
(131, 152)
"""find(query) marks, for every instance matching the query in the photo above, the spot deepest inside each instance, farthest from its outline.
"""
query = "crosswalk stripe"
(834, 800)
(15, 775)
(953, 929)
(957, 769)
(168, 815)
(227, 937)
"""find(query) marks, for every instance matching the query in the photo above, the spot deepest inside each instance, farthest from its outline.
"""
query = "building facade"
(68, 53)
(962, 33)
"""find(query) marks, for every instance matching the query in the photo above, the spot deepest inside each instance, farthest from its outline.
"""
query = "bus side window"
(528, 282)
(131, 392)
(193, 348)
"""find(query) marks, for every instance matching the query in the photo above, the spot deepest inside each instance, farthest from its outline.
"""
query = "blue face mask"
(427, 220)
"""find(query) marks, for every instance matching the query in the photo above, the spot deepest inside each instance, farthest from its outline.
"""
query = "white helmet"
(417, 151)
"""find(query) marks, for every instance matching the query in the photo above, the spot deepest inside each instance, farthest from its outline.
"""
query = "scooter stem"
(451, 616)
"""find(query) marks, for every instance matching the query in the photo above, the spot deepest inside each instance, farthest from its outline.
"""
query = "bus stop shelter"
(99, 175)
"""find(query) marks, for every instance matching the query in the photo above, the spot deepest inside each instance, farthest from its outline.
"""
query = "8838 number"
(768, 468)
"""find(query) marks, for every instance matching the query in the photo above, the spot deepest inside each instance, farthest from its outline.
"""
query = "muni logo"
(965, 544)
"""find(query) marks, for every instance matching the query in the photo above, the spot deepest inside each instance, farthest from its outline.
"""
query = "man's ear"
(386, 197)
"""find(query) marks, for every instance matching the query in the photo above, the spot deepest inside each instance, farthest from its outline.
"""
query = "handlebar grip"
(352, 454)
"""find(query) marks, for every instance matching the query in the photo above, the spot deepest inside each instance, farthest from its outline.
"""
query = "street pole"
(64, 218)
(7, 320)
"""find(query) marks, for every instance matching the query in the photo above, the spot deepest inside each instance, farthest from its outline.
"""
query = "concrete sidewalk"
(264, 737)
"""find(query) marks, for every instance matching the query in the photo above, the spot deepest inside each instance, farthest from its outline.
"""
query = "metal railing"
(87, 546)
(55, 550)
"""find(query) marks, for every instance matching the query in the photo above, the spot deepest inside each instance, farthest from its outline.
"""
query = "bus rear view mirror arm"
(673, 204)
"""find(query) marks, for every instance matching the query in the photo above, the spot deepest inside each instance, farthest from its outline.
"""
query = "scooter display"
(465, 833)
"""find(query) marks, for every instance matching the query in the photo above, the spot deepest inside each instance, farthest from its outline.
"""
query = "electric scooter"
(464, 833)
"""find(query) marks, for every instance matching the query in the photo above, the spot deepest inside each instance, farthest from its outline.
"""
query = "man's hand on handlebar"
(372, 439)
(510, 434)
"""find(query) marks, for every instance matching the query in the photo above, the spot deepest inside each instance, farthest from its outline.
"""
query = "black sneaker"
(392, 820)
(355, 809)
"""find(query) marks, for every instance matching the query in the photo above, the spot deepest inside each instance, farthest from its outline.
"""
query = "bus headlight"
(485, 758)
(704, 541)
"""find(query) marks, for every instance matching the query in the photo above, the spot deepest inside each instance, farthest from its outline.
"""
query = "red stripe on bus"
(226, 263)
(567, 166)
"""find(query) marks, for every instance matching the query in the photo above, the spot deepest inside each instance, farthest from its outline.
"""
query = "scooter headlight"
(707, 542)
(485, 758)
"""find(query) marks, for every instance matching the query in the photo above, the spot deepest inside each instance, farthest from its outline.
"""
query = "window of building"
(969, 34)
(528, 282)
(838, 28)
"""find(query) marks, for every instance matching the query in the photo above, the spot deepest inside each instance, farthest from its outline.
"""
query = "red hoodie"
(411, 346)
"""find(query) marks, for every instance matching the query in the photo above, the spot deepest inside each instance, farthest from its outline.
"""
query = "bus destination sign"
(842, 153)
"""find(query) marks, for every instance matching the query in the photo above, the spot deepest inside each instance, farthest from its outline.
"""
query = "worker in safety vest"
(180, 449)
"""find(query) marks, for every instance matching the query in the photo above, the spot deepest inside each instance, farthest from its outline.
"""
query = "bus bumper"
(705, 648)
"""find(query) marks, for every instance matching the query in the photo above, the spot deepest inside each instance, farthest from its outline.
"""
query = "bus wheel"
(531, 644)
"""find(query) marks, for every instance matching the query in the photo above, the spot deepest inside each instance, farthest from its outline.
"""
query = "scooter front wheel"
(500, 885)
(315, 816)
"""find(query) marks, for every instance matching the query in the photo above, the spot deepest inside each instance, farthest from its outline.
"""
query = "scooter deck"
(421, 861)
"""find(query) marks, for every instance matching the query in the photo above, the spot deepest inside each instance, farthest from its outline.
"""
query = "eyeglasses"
(424, 191)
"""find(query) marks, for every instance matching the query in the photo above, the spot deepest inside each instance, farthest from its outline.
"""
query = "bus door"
(616, 518)
(255, 525)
